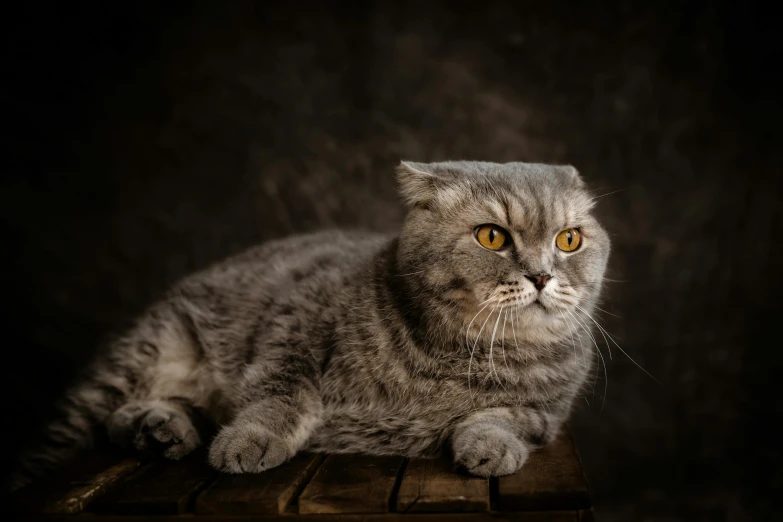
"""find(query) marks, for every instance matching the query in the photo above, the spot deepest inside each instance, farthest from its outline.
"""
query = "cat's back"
(280, 266)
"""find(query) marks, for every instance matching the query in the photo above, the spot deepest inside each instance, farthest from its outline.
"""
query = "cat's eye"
(568, 240)
(491, 237)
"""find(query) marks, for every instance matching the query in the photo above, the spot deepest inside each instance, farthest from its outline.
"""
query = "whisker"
(467, 332)
(581, 345)
(609, 193)
(619, 347)
(514, 324)
(606, 380)
(580, 284)
(524, 352)
(586, 328)
(491, 342)
(600, 330)
(573, 342)
(608, 313)
(470, 361)
(467, 342)
(503, 340)
(486, 300)
(600, 355)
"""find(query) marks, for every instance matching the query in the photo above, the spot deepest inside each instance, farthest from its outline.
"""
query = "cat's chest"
(447, 386)
(438, 400)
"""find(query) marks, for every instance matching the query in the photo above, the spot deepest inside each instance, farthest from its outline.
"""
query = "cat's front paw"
(247, 449)
(486, 450)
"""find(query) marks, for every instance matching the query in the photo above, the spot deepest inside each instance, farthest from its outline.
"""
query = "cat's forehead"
(533, 180)
(512, 170)
(515, 194)
(524, 194)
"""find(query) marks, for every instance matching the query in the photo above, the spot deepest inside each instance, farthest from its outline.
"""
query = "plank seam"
(190, 508)
(494, 492)
(294, 500)
(397, 482)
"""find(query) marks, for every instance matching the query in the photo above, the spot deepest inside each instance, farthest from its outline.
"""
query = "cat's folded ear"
(573, 176)
(419, 182)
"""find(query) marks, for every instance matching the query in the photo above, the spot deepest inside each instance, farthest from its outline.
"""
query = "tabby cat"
(467, 330)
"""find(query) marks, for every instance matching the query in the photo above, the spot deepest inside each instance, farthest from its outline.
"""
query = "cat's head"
(516, 237)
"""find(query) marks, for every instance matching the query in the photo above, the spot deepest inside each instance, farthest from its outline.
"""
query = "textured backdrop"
(150, 142)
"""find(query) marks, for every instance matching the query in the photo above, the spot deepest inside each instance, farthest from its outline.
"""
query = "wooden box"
(550, 487)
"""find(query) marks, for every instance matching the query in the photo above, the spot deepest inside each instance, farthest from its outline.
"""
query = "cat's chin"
(537, 326)
(543, 316)
(537, 314)
(551, 306)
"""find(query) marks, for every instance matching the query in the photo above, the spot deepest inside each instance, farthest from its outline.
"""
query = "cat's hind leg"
(157, 359)
(172, 427)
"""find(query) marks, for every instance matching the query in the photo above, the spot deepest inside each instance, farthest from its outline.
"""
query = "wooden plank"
(431, 485)
(70, 489)
(164, 487)
(528, 516)
(264, 493)
(351, 484)
(552, 478)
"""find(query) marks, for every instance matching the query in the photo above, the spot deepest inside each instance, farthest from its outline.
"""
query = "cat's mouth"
(537, 303)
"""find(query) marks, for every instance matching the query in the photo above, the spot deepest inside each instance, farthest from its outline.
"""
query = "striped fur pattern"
(356, 342)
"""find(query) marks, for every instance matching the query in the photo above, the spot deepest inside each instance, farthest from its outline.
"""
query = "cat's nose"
(539, 281)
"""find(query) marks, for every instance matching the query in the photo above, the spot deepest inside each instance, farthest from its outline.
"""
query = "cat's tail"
(80, 417)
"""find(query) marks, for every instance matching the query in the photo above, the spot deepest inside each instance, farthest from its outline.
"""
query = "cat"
(467, 330)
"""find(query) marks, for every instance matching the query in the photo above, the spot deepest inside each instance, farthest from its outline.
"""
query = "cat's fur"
(339, 342)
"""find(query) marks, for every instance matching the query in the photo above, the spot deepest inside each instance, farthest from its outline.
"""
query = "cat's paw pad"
(168, 432)
(247, 449)
(489, 451)
(154, 427)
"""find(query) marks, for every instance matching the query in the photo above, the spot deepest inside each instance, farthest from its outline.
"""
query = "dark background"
(147, 140)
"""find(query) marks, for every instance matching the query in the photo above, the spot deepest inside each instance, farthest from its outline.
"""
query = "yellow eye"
(491, 237)
(568, 240)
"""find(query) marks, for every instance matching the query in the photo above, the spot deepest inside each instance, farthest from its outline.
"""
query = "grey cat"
(468, 329)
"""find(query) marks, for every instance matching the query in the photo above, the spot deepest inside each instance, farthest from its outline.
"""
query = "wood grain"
(531, 516)
(264, 493)
(552, 478)
(71, 489)
(431, 485)
(351, 484)
(164, 487)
